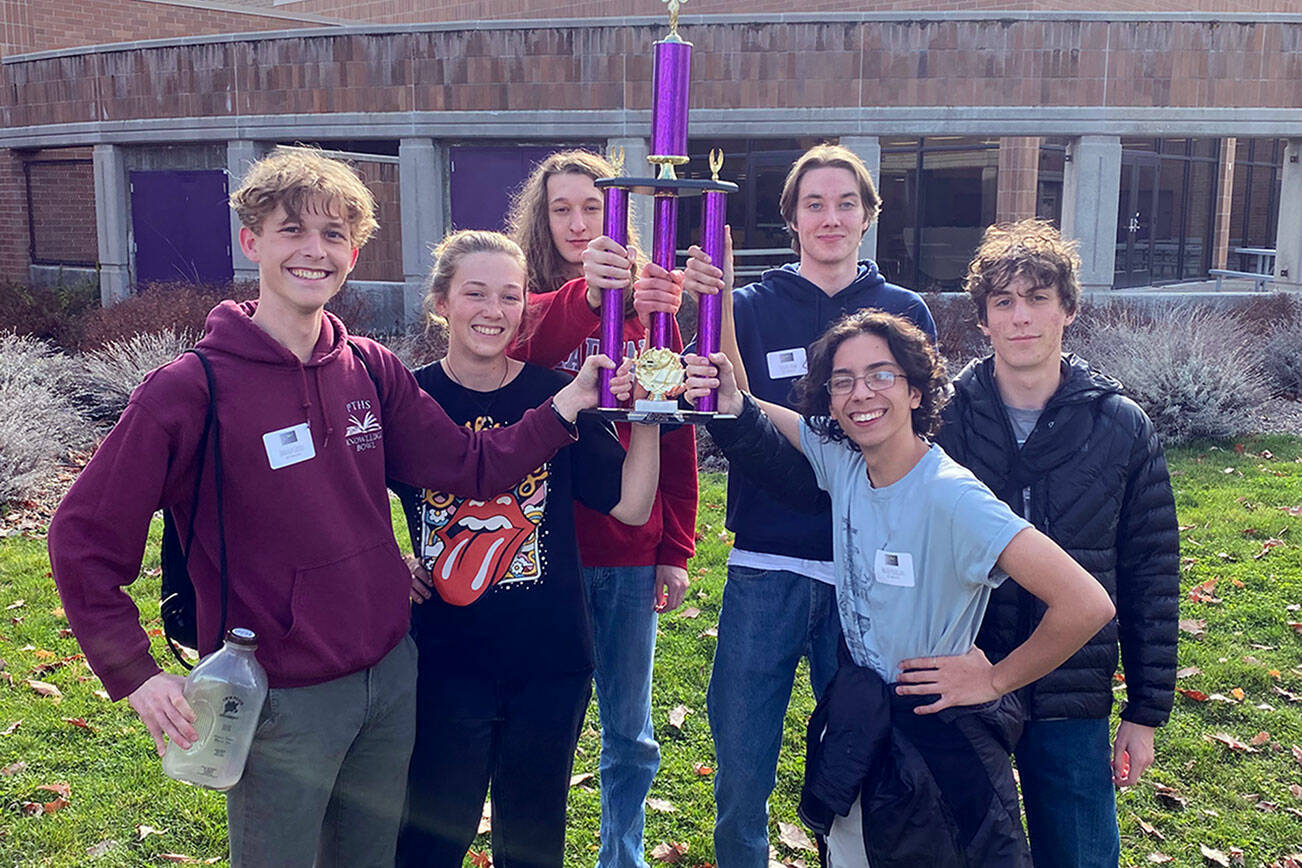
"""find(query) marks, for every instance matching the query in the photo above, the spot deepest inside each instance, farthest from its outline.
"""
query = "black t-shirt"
(509, 592)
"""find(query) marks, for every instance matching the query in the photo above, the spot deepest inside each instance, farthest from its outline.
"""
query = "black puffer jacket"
(1099, 487)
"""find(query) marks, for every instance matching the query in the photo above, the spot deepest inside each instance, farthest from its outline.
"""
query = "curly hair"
(913, 352)
(528, 222)
(303, 178)
(1033, 249)
(826, 156)
(447, 259)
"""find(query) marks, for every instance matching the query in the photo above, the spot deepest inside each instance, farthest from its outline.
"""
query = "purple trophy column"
(612, 300)
(709, 318)
(671, 76)
(664, 231)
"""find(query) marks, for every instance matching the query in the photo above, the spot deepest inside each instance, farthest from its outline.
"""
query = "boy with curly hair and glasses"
(311, 424)
(907, 761)
(1058, 442)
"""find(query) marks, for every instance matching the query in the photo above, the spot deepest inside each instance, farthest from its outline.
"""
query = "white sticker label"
(787, 363)
(289, 445)
(894, 568)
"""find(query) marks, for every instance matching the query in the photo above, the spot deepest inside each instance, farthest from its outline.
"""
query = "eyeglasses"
(877, 381)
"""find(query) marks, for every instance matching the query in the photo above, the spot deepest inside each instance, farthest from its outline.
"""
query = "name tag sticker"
(787, 363)
(894, 568)
(289, 445)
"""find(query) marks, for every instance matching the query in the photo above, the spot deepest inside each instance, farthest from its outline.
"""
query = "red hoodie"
(313, 566)
(563, 332)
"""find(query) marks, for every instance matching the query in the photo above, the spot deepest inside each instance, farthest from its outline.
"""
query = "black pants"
(517, 734)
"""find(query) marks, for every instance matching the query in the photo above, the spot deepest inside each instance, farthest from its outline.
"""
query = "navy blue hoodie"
(784, 313)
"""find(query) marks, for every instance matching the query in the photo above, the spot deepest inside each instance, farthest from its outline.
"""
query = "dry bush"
(957, 336)
(38, 421)
(1283, 358)
(57, 315)
(161, 307)
(418, 347)
(112, 372)
(1196, 372)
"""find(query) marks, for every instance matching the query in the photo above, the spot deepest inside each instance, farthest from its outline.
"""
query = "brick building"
(1164, 139)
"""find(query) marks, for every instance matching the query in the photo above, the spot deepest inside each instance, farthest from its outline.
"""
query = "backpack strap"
(357, 351)
(211, 426)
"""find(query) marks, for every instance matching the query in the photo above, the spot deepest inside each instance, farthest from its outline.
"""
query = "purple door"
(182, 226)
(483, 180)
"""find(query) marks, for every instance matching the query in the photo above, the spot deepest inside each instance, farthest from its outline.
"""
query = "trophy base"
(670, 414)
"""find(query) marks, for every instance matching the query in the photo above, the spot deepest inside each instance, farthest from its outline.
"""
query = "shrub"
(161, 307)
(112, 372)
(418, 347)
(957, 336)
(1197, 373)
(57, 315)
(38, 421)
(1283, 354)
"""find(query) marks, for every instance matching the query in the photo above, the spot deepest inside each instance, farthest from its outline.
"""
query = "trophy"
(658, 369)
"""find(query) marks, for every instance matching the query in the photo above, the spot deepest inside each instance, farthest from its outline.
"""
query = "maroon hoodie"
(313, 566)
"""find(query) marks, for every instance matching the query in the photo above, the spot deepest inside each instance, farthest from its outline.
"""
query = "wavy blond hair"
(305, 179)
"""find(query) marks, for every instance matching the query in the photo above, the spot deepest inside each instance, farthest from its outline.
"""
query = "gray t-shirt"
(915, 560)
(1023, 422)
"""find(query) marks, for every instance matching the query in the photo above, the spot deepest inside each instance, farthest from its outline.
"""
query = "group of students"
(876, 520)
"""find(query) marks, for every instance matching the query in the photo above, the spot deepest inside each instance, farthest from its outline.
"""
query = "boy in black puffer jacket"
(1059, 443)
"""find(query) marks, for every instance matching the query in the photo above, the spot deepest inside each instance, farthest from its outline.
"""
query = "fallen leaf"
(1196, 628)
(1297, 754)
(1295, 790)
(678, 715)
(16, 604)
(583, 778)
(1149, 829)
(1229, 741)
(690, 612)
(1188, 672)
(145, 831)
(485, 819)
(1216, 857)
(46, 689)
(13, 768)
(96, 850)
(187, 860)
(79, 722)
(702, 769)
(1169, 797)
(1195, 695)
(61, 789)
(1160, 858)
(1291, 697)
(1237, 583)
(669, 851)
(480, 859)
(795, 838)
(1267, 546)
(11, 728)
(101, 694)
(42, 654)
(661, 806)
(709, 632)
(1238, 693)
(1259, 739)
(1203, 593)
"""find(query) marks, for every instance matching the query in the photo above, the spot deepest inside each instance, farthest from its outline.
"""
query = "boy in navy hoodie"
(307, 437)
(779, 601)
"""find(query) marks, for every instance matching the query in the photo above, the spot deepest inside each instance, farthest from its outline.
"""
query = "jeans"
(518, 734)
(622, 603)
(769, 620)
(326, 771)
(1071, 813)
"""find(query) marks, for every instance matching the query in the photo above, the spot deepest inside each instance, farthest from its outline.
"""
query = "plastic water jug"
(226, 691)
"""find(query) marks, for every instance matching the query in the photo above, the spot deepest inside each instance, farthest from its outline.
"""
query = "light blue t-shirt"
(915, 560)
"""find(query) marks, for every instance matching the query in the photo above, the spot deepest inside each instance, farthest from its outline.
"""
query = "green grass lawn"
(1242, 653)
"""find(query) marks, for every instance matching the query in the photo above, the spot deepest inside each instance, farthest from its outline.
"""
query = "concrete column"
(240, 155)
(636, 166)
(868, 149)
(1224, 202)
(112, 223)
(423, 202)
(1019, 178)
(1091, 188)
(1288, 238)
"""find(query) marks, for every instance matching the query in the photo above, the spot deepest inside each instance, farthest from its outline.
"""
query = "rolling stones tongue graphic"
(474, 550)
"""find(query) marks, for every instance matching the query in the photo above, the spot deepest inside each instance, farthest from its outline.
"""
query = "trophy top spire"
(674, 6)
(616, 156)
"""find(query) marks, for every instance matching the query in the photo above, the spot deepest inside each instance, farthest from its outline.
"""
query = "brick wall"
(1019, 174)
(907, 63)
(416, 11)
(14, 261)
(55, 24)
(15, 26)
(381, 258)
(63, 209)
